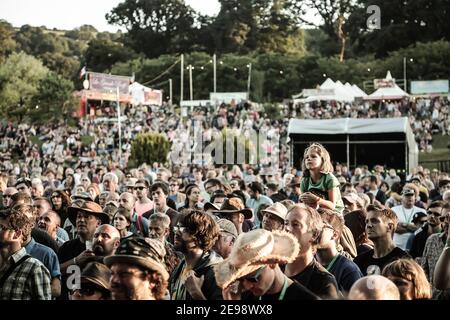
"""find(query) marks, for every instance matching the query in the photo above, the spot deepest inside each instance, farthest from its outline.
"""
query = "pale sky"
(67, 15)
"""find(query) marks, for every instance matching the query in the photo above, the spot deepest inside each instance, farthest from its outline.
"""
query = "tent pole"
(406, 159)
(348, 152)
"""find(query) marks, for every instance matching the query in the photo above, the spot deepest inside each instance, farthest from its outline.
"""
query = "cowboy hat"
(96, 273)
(295, 182)
(88, 207)
(147, 253)
(353, 198)
(253, 249)
(212, 206)
(234, 205)
(278, 210)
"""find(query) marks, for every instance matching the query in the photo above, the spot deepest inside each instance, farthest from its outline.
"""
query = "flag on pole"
(82, 72)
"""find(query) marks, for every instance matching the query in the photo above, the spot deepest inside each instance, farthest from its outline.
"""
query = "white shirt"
(404, 216)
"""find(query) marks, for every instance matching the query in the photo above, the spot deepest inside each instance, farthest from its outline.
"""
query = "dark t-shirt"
(42, 237)
(318, 280)
(295, 291)
(346, 273)
(362, 248)
(419, 241)
(370, 265)
(68, 251)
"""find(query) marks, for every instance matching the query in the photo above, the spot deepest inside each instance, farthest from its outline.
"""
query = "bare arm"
(441, 277)
(56, 287)
(405, 228)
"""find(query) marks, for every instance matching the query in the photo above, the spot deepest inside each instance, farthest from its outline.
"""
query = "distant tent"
(388, 93)
(394, 93)
(387, 141)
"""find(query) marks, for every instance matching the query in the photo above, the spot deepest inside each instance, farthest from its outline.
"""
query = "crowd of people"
(232, 233)
(195, 231)
(94, 142)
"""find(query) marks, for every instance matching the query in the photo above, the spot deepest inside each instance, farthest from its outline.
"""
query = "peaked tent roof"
(358, 90)
(394, 93)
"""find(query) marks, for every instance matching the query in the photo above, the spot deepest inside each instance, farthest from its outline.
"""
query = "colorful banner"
(108, 83)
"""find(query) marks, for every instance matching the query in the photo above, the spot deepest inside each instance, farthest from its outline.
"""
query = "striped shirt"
(28, 281)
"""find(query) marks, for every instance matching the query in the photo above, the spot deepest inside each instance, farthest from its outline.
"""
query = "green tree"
(36, 41)
(53, 100)
(256, 25)
(403, 23)
(7, 42)
(334, 15)
(155, 26)
(149, 148)
(83, 33)
(19, 80)
(101, 55)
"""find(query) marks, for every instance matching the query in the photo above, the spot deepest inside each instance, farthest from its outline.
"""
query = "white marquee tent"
(359, 140)
(332, 91)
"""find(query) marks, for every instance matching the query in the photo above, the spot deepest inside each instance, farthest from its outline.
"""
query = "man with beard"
(86, 216)
(194, 279)
(159, 229)
(106, 241)
(139, 224)
(432, 226)
(21, 276)
(138, 271)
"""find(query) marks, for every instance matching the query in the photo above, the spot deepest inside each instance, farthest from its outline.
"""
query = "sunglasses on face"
(179, 228)
(433, 213)
(86, 290)
(255, 278)
(139, 188)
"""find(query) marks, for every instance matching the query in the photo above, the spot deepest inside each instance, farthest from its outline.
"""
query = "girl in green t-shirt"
(319, 187)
